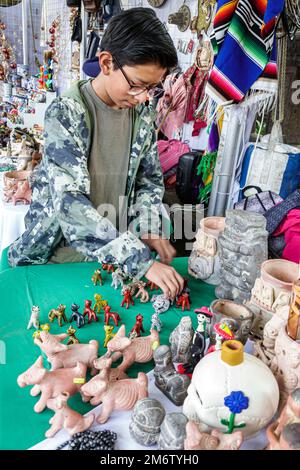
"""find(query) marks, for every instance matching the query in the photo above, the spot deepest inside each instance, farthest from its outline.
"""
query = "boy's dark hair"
(136, 37)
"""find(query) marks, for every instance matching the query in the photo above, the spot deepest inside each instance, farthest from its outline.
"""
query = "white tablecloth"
(11, 222)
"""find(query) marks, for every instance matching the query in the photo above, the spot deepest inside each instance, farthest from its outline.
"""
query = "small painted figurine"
(108, 314)
(127, 297)
(117, 278)
(152, 285)
(156, 322)
(72, 338)
(77, 316)
(108, 334)
(89, 312)
(97, 277)
(34, 318)
(223, 333)
(137, 328)
(183, 301)
(99, 303)
(160, 303)
(141, 291)
(108, 267)
(58, 313)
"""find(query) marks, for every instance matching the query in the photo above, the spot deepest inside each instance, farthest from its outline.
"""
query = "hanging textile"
(196, 80)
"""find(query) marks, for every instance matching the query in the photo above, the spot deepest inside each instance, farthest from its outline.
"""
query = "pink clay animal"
(65, 417)
(135, 350)
(51, 383)
(60, 355)
(197, 440)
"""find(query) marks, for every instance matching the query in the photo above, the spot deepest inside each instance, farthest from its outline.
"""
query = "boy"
(100, 145)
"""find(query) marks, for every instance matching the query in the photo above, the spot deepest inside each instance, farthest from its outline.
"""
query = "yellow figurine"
(72, 338)
(99, 303)
(108, 334)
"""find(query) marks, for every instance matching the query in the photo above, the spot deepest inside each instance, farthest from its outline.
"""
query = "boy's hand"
(162, 246)
(165, 277)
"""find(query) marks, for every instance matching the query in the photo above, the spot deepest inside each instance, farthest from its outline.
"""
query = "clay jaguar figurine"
(77, 316)
(181, 340)
(127, 297)
(58, 313)
(34, 318)
(141, 291)
(183, 301)
(167, 379)
(108, 315)
(108, 334)
(97, 277)
(89, 312)
(99, 303)
(138, 327)
(108, 267)
(72, 338)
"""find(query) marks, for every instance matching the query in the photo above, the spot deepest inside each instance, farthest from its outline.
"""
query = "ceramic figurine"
(117, 278)
(204, 261)
(108, 315)
(108, 334)
(108, 267)
(172, 432)
(99, 303)
(97, 277)
(289, 438)
(146, 419)
(197, 440)
(167, 379)
(160, 303)
(198, 346)
(138, 327)
(293, 323)
(58, 313)
(183, 301)
(272, 291)
(127, 298)
(136, 350)
(181, 340)
(232, 390)
(238, 317)
(77, 316)
(152, 285)
(290, 413)
(51, 383)
(103, 364)
(223, 333)
(65, 417)
(156, 322)
(72, 338)
(89, 312)
(243, 246)
(34, 318)
(141, 291)
(23, 193)
(60, 355)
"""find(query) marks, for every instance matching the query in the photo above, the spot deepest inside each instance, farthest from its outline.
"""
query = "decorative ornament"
(202, 22)
(182, 18)
(156, 3)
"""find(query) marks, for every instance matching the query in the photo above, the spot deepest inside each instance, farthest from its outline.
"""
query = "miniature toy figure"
(34, 318)
(45, 327)
(58, 313)
(197, 440)
(127, 297)
(97, 277)
(89, 312)
(108, 267)
(141, 291)
(146, 419)
(108, 334)
(156, 322)
(172, 432)
(137, 328)
(77, 316)
(160, 303)
(99, 303)
(223, 333)
(181, 339)
(167, 379)
(51, 383)
(152, 285)
(183, 301)
(60, 355)
(117, 278)
(65, 417)
(72, 338)
(108, 315)
(289, 438)
(136, 350)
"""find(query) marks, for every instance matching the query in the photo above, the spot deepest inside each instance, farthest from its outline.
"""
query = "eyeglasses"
(136, 90)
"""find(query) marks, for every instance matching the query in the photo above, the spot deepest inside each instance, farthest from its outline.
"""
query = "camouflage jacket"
(61, 186)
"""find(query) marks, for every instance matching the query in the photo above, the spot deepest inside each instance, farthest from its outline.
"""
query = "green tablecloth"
(48, 286)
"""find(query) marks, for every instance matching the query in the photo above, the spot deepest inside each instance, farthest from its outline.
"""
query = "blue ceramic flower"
(236, 402)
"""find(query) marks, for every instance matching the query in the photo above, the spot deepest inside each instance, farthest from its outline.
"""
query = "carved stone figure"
(181, 340)
(172, 432)
(146, 419)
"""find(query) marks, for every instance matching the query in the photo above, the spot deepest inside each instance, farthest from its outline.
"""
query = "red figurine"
(152, 285)
(89, 312)
(127, 297)
(138, 327)
(183, 301)
(108, 267)
(108, 314)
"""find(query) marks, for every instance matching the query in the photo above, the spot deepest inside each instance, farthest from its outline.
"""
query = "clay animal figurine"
(34, 318)
(65, 417)
(108, 267)
(77, 316)
(127, 297)
(108, 334)
(72, 338)
(99, 303)
(181, 339)
(23, 193)
(289, 439)
(108, 315)
(167, 379)
(156, 322)
(89, 312)
(103, 364)
(223, 333)
(138, 327)
(160, 303)
(51, 383)
(136, 350)
(97, 277)
(183, 301)
(197, 440)
(58, 313)
(141, 291)
(146, 419)
(117, 278)
(290, 413)
(60, 355)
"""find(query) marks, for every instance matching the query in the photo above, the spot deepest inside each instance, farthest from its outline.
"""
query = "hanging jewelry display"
(182, 18)
(202, 22)
(34, 37)
(156, 3)
(7, 55)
